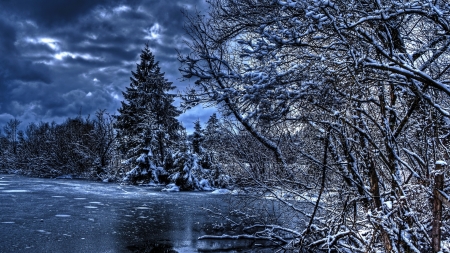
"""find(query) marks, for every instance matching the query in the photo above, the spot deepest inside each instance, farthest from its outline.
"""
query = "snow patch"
(440, 162)
(388, 204)
(237, 192)
(171, 188)
(221, 191)
(43, 231)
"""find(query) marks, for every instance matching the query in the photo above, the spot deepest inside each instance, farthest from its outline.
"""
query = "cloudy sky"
(60, 57)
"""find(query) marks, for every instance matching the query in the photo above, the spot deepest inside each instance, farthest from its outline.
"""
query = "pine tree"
(197, 138)
(147, 125)
(211, 132)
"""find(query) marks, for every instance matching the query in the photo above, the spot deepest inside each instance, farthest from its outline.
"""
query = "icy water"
(55, 215)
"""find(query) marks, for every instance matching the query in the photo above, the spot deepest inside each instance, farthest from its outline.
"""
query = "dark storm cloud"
(60, 57)
(12, 66)
(51, 13)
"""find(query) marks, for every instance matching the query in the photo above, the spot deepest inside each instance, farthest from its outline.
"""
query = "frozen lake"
(56, 215)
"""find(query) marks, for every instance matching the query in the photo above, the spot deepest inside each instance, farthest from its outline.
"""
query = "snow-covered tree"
(10, 143)
(211, 132)
(39, 150)
(358, 91)
(197, 138)
(3, 145)
(11, 130)
(147, 125)
(80, 146)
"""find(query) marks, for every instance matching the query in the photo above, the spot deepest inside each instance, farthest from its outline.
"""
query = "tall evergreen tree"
(146, 125)
(197, 138)
(211, 132)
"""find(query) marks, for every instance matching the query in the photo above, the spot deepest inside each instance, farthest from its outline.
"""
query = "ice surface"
(65, 177)
(127, 208)
(15, 191)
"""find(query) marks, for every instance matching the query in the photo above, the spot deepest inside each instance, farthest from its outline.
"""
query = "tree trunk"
(437, 210)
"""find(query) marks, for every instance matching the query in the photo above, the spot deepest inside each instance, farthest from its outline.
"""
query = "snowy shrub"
(188, 174)
(214, 172)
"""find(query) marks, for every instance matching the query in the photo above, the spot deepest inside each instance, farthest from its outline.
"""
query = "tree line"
(89, 148)
(83, 147)
(143, 143)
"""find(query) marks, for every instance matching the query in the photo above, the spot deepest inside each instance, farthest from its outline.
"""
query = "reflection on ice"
(152, 247)
(15, 191)
(44, 232)
(143, 208)
(92, 207)
(228, 243)
(63, 215)
(7, 222)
